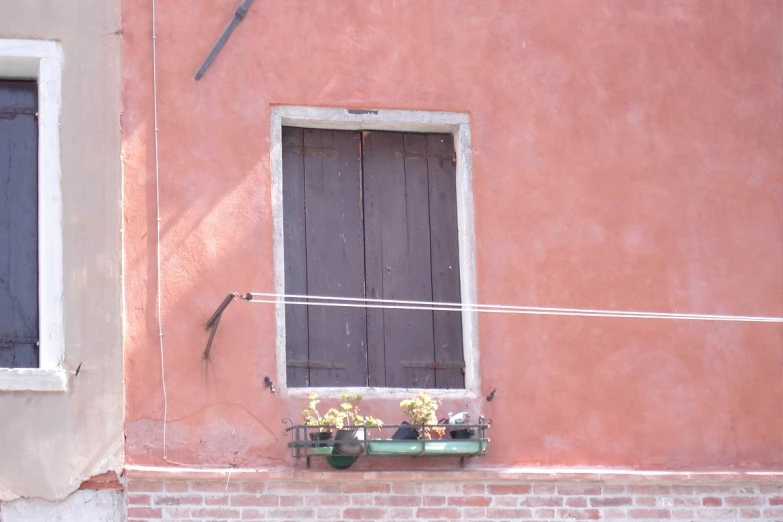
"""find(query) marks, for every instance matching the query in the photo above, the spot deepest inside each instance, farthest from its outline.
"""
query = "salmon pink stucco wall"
(627, 156)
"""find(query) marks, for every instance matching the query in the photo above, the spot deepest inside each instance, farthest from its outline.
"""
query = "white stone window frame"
(456, 124)
(42, 61)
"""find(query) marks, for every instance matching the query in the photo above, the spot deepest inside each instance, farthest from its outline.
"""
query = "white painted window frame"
(456, 124)
(42, 60)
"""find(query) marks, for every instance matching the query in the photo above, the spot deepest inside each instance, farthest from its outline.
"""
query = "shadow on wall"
(203, 258)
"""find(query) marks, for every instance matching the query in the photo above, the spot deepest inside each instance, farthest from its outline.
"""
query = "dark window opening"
(371, 214)
(18, 224)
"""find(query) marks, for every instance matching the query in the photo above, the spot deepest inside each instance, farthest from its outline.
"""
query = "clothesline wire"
(400, 304)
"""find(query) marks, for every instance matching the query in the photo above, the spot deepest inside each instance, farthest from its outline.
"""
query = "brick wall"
(209, 501)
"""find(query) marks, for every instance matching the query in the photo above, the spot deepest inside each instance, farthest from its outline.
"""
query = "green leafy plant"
(312, 417)
(347, 414)
(351, 414)
(421, 411)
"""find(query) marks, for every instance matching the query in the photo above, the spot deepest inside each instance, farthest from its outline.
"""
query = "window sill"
(33, 380)
(380, 393)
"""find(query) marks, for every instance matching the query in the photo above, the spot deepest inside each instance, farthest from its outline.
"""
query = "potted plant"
(421, 411)
(415, 438)
(349, 422)
(347, 419)
(412, 438)
(457, 419)
(312, 417)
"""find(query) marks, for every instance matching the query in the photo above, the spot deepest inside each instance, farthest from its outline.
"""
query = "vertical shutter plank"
(25, 356)
(385, 191)
(373, 168)
(335, 255)
(418, 343)
(295, 253)
(19, 221)
(445, 258)
(6, 356)
(397, 191)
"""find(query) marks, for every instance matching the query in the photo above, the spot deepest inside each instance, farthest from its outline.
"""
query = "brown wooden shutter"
(411, 253)
(295, 248)
(447, 327)
(326, 259)
(372, 215)
(18, 225)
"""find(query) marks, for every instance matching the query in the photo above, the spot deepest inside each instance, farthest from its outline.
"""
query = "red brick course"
(301, 501)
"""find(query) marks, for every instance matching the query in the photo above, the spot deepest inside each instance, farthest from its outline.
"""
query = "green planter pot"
(349, 442)
(454, 447)
(395, 447)
(426, 447)
(348, 445)
(340, 461)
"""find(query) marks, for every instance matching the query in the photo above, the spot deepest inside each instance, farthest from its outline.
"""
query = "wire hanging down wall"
(399, 304)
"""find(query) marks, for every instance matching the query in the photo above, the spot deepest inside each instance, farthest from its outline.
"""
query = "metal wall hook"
(214, 322)
(240, 13)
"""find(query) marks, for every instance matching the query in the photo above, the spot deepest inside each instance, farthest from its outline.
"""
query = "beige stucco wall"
(51, 442)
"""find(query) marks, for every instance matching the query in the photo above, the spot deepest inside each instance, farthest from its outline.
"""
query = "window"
(371, 214)
(18, 224)
(296, 371)
(31, 255)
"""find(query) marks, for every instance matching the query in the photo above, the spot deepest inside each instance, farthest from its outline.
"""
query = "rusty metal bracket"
(427, 155)
(315, 365)
(20, 340)
(11, 113)
(424, 155)
(214, 321)
(240, 13)
(311, 151)
(457, 365)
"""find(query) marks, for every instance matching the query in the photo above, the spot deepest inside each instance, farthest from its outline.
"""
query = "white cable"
(158, 298)
(396, 304)
(159, 294)
(225, 495)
